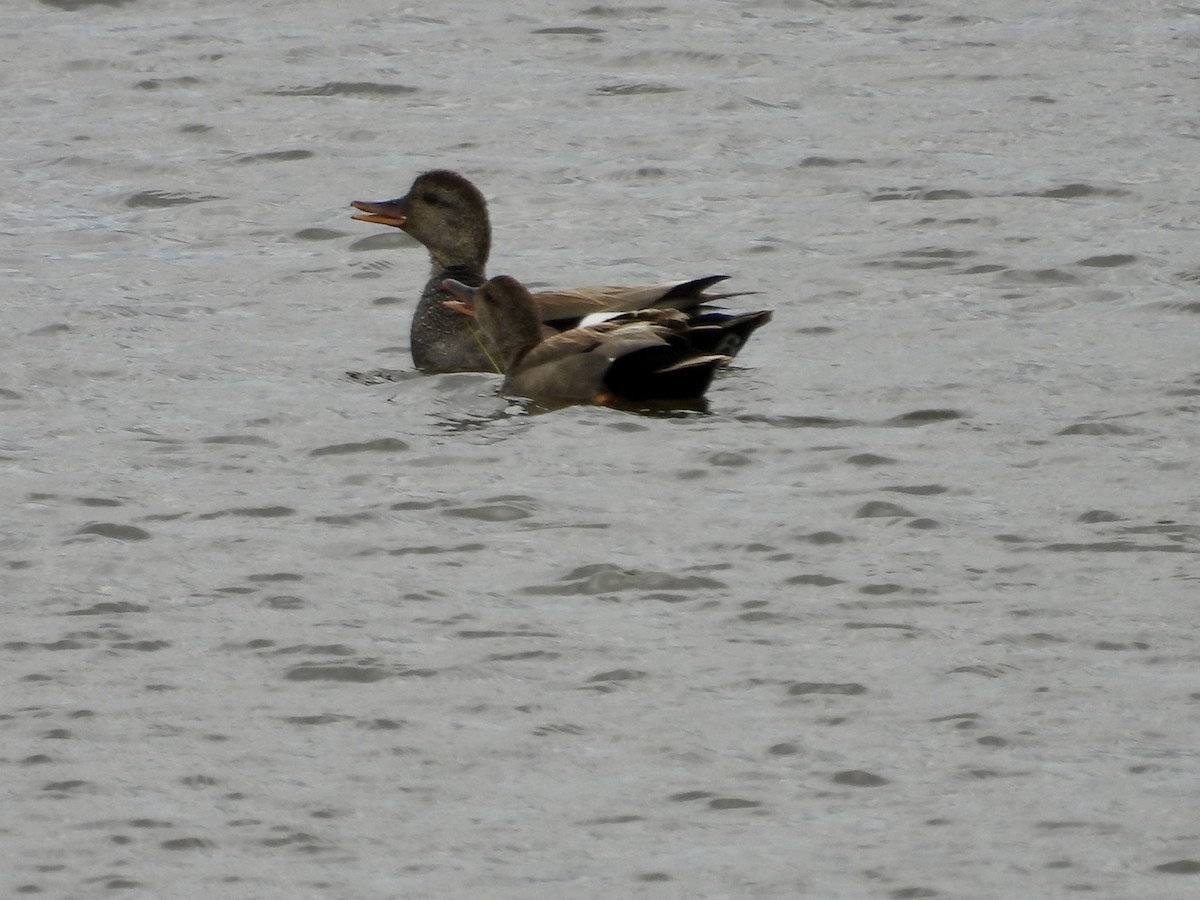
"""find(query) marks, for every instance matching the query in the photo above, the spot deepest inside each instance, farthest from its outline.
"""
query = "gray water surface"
(908, 613)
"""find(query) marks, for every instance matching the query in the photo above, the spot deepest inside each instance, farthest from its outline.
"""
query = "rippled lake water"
(909, 612)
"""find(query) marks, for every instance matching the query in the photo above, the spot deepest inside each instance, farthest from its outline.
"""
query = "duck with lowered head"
(448, 215)
(647, 355)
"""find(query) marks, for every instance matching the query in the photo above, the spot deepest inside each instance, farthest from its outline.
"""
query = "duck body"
(448, 215)
(439, 339)
(646, 355)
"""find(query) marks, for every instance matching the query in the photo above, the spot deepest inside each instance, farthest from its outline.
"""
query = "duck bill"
(387, 212)
(461, 297)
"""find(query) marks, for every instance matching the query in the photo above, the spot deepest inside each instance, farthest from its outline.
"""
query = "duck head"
(505, 312)
(443, 211)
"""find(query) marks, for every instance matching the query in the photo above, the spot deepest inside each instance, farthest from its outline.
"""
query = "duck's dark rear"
(663, 372)
(724, 332)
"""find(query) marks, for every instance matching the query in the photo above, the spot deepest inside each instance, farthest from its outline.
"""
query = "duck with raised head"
(448, 215)
(647, 355)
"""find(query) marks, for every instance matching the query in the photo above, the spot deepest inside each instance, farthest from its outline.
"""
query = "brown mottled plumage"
(448, 215)
(645, 355)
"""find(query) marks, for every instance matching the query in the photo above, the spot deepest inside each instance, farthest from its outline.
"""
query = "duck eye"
(431, 198)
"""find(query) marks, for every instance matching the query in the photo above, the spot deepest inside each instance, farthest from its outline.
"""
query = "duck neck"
(468, 270)
(464, 251)
(514, 335)
(468, 273)
(512, 348)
